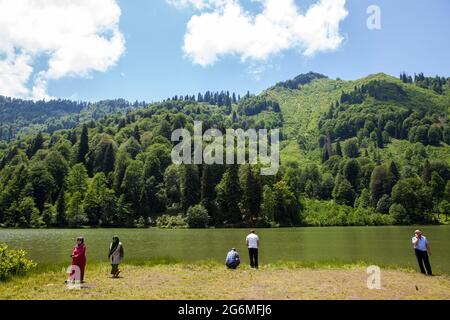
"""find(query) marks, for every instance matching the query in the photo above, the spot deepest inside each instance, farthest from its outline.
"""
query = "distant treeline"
(19, 116)
(434, 83)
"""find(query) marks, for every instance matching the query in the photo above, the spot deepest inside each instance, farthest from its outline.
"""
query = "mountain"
(365, 152)
(304, 109)
(19, 116)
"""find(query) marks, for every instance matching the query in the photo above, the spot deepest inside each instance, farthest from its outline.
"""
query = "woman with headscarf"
(115, 255)
(78, 259)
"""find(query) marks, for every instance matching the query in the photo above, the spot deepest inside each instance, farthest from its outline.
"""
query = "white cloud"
(224, 27)
(197, 4)
(77, 37)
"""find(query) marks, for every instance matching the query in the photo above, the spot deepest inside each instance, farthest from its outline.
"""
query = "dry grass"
(210, 281)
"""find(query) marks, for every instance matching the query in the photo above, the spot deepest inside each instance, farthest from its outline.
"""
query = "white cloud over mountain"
(224, 27)
(74, 38)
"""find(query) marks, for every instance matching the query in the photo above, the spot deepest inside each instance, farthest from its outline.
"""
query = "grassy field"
(209, 280)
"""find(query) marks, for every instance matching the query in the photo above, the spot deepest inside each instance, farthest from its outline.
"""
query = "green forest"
(374, 151)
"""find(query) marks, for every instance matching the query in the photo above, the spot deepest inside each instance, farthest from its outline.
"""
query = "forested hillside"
(366, 152)
(379, 144)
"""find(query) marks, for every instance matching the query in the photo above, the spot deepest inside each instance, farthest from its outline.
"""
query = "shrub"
(398, 212)
(140, 223)
(384, 204)
(330, 213)
(197, 217)
(13, 262)
(169, 222)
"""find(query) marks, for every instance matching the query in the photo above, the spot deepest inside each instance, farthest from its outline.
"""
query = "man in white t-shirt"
(252, 241)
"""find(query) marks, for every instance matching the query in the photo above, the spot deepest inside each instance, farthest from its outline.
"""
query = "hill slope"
(365, 152)
(303, 108)
(19, 116)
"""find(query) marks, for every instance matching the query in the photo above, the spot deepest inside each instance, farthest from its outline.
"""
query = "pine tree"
(137, 133)
(380, 143)
(132, 185)
(72, 137)
(343, 192)
(229, 195)
(287, 207)
(208, 194)
(351, 148)
(309, 189)
(122, 124)
(27, 211)
(132, 147)
(109, 159)
(437, 185)
(42, 183)
(61, 219)
(77, 179)
(190, 187)
(393, 169)
(338, 149)
(83, 147)
(364, 200)
(75, 211)
(380, 184)
(434, 135)
(36, 220)
(268, 205)
(426, 172)
(251, 194)
(57, 166)
(120, 168)
(325, 154)
(36, 144)
(352, 172)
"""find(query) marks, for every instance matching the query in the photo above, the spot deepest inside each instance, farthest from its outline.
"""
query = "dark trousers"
(114, 269)
(253, 253)
(422, 257)
(233, 265)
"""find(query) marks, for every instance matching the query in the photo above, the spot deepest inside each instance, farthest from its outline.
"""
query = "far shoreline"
(231, 227)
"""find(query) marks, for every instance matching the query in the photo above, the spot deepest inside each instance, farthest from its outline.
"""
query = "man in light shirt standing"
(252, 241)
(422, 248)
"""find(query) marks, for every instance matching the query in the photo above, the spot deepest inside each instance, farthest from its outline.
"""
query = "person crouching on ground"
(233, 260)
(115, 256)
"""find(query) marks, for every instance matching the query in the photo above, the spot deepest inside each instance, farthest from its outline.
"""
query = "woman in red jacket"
(79, 259)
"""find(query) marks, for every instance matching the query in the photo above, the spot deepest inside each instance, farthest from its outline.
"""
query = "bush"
(399, 214)
(197, 217)
(169, 222)
(330, 213)
(384, 204)
(13, 262)
(140, 223)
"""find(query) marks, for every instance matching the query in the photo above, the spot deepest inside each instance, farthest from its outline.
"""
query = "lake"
(377, 245)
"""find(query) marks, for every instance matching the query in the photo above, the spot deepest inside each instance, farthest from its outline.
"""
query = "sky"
(145, 50)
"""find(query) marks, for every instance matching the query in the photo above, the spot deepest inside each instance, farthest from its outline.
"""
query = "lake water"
(377, 245)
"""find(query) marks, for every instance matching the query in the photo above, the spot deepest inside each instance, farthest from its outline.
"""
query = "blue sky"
(153, 65)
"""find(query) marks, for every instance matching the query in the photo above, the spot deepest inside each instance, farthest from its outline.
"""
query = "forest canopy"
(379, 155)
